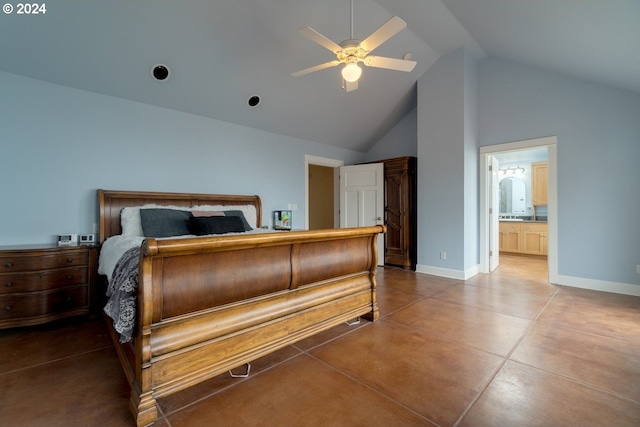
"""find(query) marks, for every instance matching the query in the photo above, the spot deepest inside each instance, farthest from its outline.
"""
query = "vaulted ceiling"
(222, 52)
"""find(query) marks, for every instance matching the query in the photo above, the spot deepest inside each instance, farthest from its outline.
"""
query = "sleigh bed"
(208, 304)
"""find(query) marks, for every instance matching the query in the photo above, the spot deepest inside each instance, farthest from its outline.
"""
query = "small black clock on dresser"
(41, 283)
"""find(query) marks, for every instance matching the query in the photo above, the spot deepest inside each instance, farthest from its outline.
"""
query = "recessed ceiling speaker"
(253, 100)
(160, 72)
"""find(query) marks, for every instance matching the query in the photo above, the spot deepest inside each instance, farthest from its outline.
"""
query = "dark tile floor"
(505, 349)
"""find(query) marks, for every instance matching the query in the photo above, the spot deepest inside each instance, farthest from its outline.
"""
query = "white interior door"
(494, 212)
(362, 198)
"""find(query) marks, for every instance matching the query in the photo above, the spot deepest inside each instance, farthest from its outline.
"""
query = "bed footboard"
(207, 305)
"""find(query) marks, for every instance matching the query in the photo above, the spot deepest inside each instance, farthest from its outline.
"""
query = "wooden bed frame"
(210, 304)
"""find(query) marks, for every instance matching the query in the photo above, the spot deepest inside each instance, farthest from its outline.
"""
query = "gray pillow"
(238, 213)
(201, 226)
(164, 222)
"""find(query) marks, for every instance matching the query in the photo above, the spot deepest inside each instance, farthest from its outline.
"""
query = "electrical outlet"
(443, 255)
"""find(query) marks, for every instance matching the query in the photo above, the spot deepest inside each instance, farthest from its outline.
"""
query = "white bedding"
(112, 250)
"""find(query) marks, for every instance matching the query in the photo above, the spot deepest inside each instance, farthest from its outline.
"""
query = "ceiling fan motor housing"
(351, 49)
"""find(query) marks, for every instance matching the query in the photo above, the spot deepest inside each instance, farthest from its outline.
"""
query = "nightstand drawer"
(22, 306)
(43, 261)
(42, 280)
(41, 283)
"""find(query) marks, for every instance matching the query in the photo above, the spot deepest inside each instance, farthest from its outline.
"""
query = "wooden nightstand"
(41, 283)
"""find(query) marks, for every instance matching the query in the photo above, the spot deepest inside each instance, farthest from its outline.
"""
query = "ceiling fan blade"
(349, 86)
(390, 63)
(384, 32)
(316, 68)
(315, 36)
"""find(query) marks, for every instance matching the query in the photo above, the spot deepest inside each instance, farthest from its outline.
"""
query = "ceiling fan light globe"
(351, 72)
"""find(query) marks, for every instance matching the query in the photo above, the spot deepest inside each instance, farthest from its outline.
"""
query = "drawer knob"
(8, 264)
(8, 308)
(8, 284)
(69, 259)
(69, 277)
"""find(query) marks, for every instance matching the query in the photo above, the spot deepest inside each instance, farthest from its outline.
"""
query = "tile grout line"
(578, 381)
(334, 338)
(574, 380)
(266, 369)
(402, 308)
(218, 391)
(591, 333)
(506, 358)
(376, 391)
(162, 415)
(493, 310)
(56, 360)
(445, 338)
(308, 353)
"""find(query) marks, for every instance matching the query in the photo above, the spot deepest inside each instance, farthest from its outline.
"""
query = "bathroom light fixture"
(511, 171)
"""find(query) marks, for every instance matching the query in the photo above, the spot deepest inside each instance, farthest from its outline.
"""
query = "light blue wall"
(598, 131)
(400, 141)
(441, 177)
(58, 145)
(448, 167)
(471, 160)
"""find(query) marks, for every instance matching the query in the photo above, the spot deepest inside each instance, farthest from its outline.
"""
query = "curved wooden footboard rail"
(207, 305)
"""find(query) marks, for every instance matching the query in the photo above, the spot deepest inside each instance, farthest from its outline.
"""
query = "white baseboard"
(447, 272)
(470, 272)
(599, 285)
(574, 282)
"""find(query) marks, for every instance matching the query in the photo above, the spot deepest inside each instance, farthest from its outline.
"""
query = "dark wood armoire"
(400, 212)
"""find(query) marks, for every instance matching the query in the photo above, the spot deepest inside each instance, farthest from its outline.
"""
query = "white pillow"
(130, 221)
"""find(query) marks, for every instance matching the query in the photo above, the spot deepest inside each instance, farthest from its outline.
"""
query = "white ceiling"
(222, 52)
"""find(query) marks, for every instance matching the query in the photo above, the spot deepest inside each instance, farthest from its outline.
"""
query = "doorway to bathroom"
(510, 216)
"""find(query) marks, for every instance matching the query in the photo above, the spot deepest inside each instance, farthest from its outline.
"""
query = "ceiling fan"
(352, 51)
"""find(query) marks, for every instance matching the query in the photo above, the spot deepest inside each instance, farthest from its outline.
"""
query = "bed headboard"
(110, 203)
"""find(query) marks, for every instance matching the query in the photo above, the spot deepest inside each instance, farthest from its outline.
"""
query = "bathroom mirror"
(512, 196)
